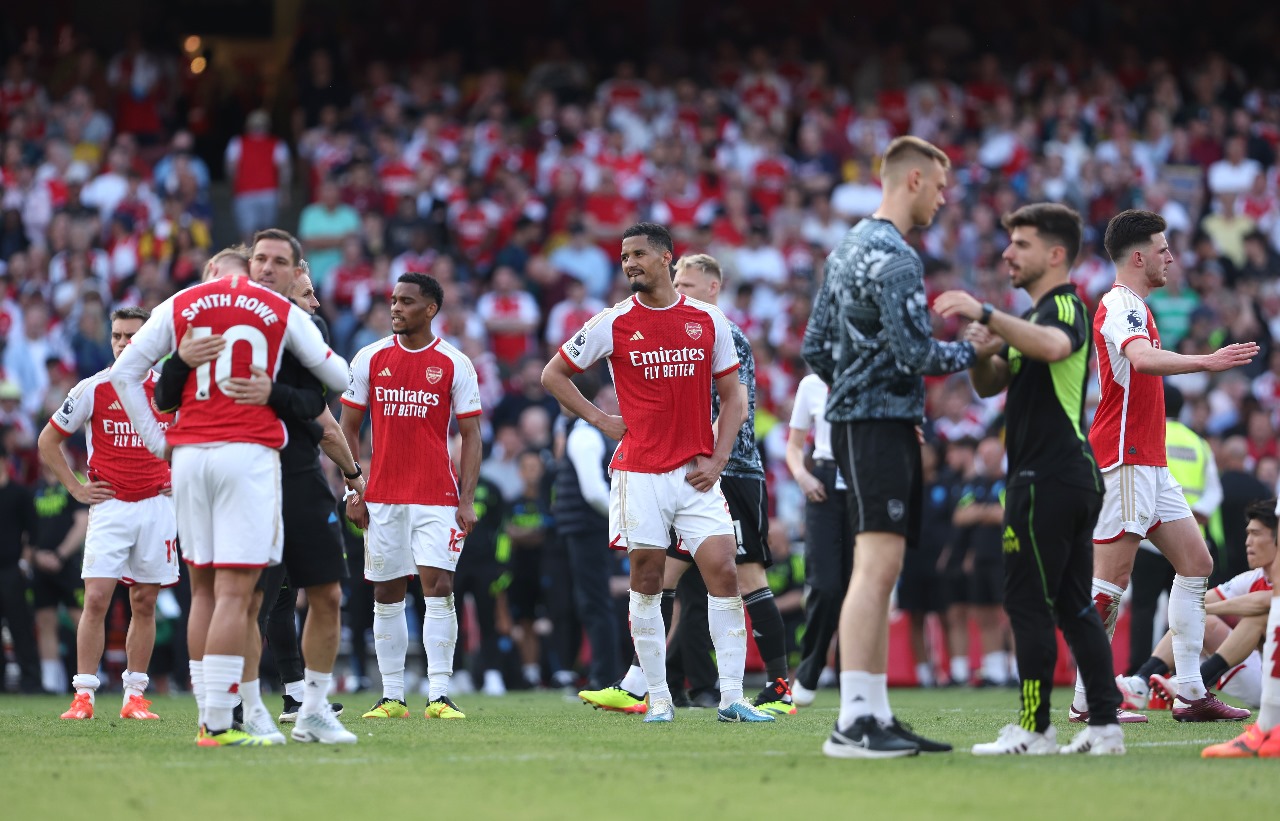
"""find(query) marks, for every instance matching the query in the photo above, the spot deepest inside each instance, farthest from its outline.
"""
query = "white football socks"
(439, 635)
(53, 676)
(995, 666)
(197, 687)
(251, 695)
(634, 681)
(649, 635)
(87, 683)
(1110, 599)
(878, 688)
(222, 683)
(135, 684)
(1269, 711)
(390, 643)
(1186, 625)
(727, 621)
(315, 691)
(855, 696)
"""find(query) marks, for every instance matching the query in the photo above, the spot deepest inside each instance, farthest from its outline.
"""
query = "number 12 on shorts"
(222, 365)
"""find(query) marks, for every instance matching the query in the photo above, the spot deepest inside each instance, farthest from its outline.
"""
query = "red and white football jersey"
(663, 362)
(1128, 428)
(410, 396)
(1250, 581)
(116, 453)
(257, 324)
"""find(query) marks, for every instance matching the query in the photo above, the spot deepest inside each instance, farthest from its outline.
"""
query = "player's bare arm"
(1257, 603)
(53, 457)
(1153, 361)
(352, 419)
(334, 444)
(1040, 342)
(706, 470)
(990, 372)
(556, 379)
(469, 471)
(812, 486)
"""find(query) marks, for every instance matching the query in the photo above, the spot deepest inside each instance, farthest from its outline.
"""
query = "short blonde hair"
(911, 149)
(236, 252)
(706, 262)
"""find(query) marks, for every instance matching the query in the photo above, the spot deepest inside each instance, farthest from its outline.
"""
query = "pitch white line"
(1186, 743)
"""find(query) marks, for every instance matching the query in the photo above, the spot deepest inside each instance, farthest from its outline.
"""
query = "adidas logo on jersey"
(384, 372)
(115, 405)
(637, 336)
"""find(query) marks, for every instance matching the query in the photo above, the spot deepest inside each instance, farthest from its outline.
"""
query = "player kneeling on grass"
(1261, 740)
(1231, 648)
(132, 530)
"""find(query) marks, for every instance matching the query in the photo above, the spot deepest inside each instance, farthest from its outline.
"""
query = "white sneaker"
(322, 727)
(1015, 740)
(802, 696)
(827, 678)
(1105, 739)
(1133, 692)
(493, 684)
(258, 723)
(461, 682)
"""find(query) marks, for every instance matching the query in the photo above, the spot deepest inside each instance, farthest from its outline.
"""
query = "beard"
(1026, 277)
(639, 286)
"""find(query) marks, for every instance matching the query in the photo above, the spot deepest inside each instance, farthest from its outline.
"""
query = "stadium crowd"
(512, 191)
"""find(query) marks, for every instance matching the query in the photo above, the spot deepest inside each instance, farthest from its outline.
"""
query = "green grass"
(532, 756)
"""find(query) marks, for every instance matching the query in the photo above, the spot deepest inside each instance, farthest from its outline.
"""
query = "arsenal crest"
(693, 329)
(434, 374)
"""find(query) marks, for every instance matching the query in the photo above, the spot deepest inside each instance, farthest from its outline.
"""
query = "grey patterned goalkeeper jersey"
(869, 336)
(744, 459)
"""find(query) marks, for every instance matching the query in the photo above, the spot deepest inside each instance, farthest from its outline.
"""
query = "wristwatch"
(987, 310)
(355, 475)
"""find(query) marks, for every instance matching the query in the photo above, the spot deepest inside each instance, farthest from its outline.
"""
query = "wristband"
(359, 472)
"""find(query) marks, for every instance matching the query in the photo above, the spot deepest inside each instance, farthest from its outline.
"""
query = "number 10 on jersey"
(258, 348)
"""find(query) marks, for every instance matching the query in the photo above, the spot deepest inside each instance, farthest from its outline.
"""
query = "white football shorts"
(1138, 499)
(227, 499)
(402, 538)
(644, 507)
(132, 542)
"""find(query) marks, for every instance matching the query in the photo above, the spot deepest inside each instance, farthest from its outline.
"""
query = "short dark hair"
(427, 284)
(659, 237)
(1129, 229)
(1056, 224)
(280, 234)
(131, 312)
(1264, 511)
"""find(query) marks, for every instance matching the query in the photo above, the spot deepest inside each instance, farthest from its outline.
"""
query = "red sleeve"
(566, 358)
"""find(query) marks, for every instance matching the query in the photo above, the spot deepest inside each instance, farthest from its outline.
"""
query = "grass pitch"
(534, 756)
